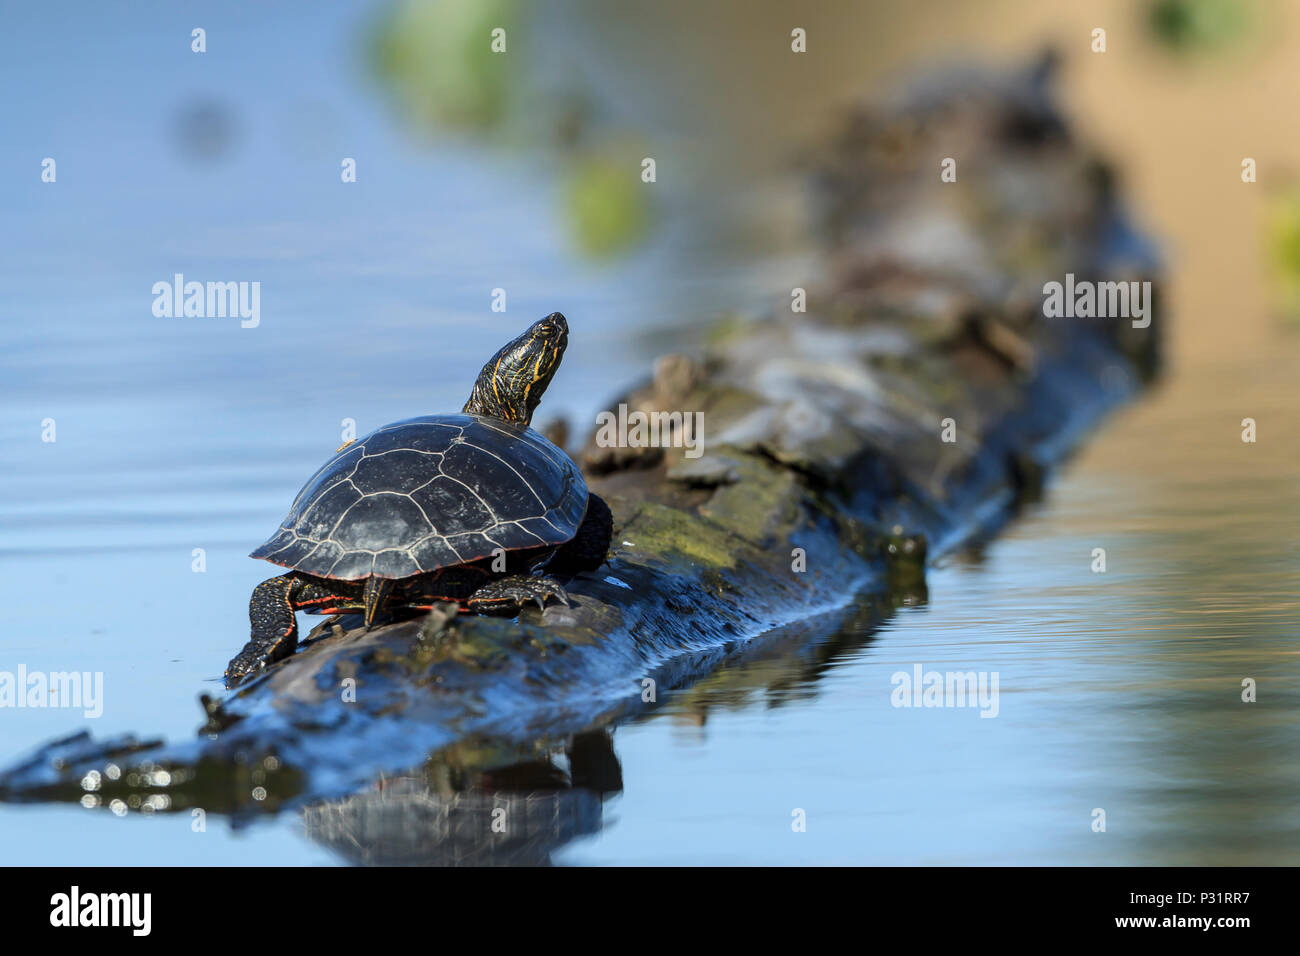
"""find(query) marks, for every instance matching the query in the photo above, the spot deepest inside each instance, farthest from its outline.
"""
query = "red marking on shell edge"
(441, 567)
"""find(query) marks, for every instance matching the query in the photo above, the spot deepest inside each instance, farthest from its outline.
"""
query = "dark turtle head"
(512, 382)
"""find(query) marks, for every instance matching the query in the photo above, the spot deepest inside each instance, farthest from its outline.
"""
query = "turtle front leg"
(513, 592)
(274, 624)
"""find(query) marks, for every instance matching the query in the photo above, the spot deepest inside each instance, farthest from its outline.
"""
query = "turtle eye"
(551, 326)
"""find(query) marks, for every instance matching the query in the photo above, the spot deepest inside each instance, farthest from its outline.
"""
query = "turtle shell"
(429, 493)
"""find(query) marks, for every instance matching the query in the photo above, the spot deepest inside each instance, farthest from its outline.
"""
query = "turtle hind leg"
(272, 618)
(589, 548)
(514, 592)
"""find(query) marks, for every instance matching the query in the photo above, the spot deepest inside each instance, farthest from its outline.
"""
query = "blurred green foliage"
(606, 203)
(1282, 239)
(437, 59)
(1190, 25)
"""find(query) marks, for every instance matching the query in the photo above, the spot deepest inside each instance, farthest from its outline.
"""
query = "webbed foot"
(274, 628)
(273, 624)
(513, 593)
(256, 655)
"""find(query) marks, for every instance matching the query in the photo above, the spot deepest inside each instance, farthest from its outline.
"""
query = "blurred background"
(520, 171)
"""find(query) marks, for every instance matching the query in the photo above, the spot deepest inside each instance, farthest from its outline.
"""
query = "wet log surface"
(824, 488)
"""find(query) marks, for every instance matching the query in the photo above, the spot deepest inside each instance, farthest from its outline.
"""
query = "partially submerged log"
(826, 475)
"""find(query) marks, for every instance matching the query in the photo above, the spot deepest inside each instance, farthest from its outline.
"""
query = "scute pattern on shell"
(428, 493)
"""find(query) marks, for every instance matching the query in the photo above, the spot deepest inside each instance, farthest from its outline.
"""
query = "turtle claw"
(512, 594)
(242, 668)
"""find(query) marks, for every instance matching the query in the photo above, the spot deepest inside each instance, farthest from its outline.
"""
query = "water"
(1119, 691)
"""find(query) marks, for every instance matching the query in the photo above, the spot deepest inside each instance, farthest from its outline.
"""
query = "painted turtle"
(475, 508)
